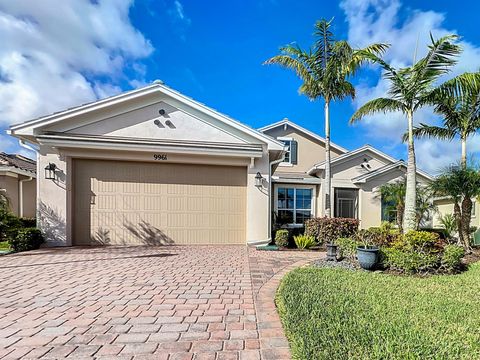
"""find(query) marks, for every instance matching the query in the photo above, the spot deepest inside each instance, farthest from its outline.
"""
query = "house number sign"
(160, 157)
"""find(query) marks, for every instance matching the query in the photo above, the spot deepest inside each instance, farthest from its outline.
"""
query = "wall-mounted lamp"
(258, 180)
(161, 111)
(50, 171)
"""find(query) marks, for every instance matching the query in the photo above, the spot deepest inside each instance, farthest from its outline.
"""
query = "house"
(298, 191)
(152, 166)
(18, 183)
(444, 206)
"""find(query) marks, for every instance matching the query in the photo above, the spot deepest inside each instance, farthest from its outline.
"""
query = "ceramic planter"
(368, 257)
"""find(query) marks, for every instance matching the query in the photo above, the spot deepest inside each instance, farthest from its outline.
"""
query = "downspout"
(270, 187)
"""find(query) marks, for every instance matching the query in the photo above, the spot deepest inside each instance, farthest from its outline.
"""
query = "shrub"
(408, 261)
(328, 229)
(348, 247)
(281, 238)
(9, 225)
(449, 224)
(26, 239)
(28, 222)
(415, 251)
(379, 236)
(452, 257)
(304, 241)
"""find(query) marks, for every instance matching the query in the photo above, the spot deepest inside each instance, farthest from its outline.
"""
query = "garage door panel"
(149, 203)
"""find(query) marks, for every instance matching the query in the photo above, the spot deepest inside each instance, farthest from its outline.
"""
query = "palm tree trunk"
(328, 180)
(466, 217)
(464, 152)
(400, 212)
(458, 220)
(409, 219)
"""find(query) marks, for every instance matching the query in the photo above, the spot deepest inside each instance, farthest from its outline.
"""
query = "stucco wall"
(55, 210)
(445, 206)
(146, 122)
(10, 184)
(310, 150)
(52, 199)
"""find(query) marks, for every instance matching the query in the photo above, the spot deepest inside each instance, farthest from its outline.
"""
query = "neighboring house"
(18, 182)
(444, 206)
(150, 166)
(356, 178)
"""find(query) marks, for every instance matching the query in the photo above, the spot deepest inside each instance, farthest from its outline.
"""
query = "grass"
(4, 246)
(342, 314)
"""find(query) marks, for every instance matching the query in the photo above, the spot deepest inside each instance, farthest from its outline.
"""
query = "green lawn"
(341, 314)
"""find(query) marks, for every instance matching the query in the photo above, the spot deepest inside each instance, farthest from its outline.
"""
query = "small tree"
(394, 194)
(461, 185)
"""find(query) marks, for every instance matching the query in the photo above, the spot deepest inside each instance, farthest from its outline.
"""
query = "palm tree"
(461, 113)
(394, 195)
(324, 70)
(461, 185)
(410, 88)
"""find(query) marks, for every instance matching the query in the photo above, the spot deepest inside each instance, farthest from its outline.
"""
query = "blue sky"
(62, 54)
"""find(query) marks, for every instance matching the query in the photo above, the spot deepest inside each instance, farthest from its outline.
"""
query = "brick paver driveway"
(180, 302)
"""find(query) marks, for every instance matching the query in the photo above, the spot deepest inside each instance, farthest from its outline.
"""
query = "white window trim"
(290, 186)
(286, 138)
(357, 205)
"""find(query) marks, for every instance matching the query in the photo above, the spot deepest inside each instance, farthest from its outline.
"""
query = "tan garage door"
(132, 203)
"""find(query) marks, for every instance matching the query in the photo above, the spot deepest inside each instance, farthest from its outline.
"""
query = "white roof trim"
(179, 147)
(56, 117)
(302, 129)
(341, 158)
(18, 171)
(385, 169)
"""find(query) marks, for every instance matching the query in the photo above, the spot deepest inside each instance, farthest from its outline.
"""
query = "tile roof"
(18, 161)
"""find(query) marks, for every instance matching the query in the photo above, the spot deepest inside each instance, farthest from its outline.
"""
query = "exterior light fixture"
(50, 171)
(161, 111)
(258, 180)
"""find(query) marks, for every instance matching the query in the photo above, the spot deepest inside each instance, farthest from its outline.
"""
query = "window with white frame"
(291, 150)
(346, 201)
(294, 205)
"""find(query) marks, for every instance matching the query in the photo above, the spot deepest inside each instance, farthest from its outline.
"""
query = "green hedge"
(329, 229)
(26, 239)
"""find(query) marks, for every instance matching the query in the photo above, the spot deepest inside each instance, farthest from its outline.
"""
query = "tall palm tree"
(461, 113)
(394, 195)
(324, 69)
(410, 88)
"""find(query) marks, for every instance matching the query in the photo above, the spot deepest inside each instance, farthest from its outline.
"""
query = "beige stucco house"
(444, 205)
(152, 166)
(18, 183)
(356, 178)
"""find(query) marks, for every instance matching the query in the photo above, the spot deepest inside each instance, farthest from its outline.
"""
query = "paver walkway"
(181, 302)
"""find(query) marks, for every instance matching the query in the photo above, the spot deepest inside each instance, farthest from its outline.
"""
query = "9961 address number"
(160, 157)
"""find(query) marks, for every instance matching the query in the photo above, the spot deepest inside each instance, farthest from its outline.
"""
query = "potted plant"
(367, 253)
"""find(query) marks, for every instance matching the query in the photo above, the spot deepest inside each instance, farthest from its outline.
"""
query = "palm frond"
(428, 131)
(379, 105)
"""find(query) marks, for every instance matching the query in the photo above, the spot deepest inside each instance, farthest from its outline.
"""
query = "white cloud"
(372, 21)
(57, 54)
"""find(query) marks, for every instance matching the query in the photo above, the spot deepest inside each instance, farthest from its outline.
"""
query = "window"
(291, 147)
(389, 211)
(474, 205)
(294, 205)
(288, 145)
(346, 203)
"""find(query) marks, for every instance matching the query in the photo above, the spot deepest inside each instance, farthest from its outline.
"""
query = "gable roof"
(14, 162)
(303, 130)
(386, 169)
(26, 128)
(346, 156)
